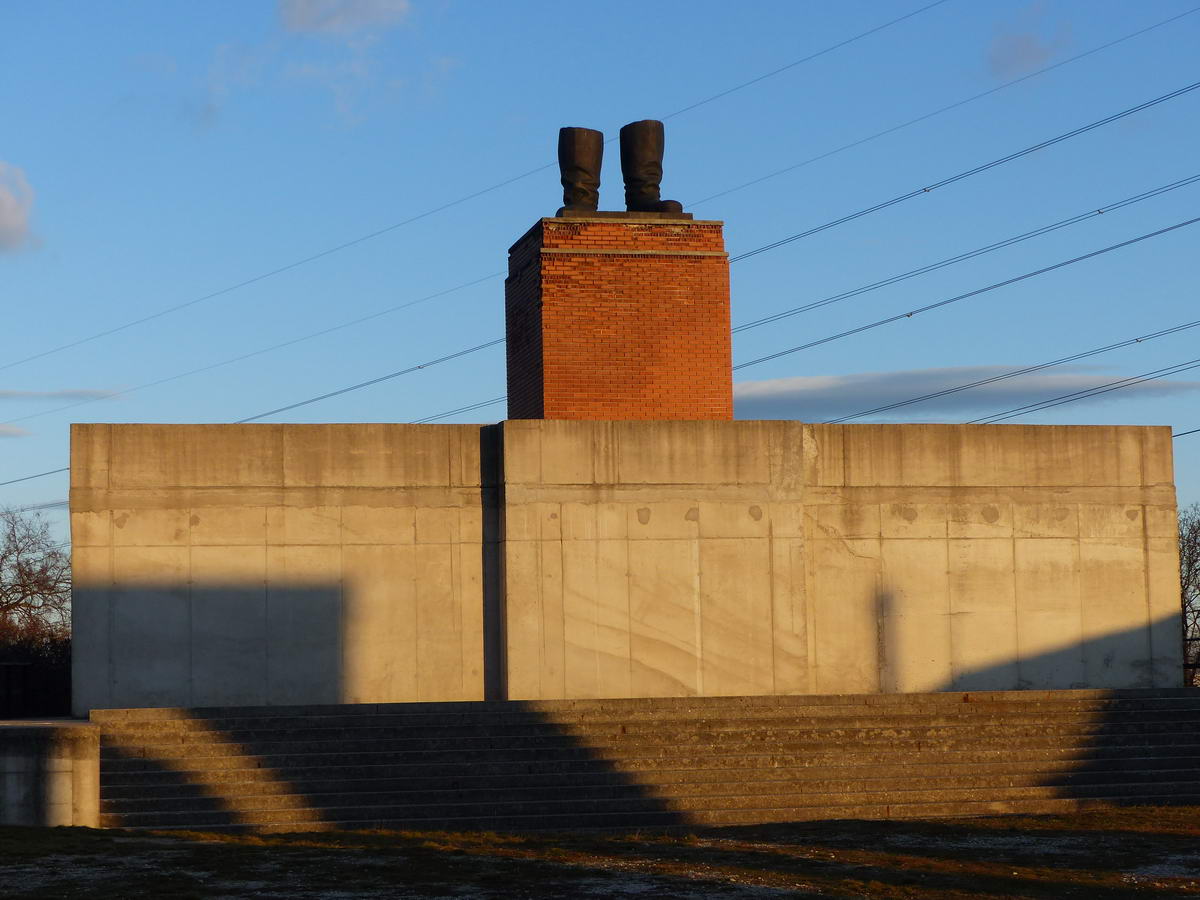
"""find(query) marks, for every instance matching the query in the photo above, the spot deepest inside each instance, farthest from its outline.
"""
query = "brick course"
(619, 319)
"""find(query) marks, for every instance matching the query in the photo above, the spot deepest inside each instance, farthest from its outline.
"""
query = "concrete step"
(662, 756)
(489, 716)
(633, 804)
(621, 763)
(346, 751)
(415, 793)
(576, 821)
(764, 768)
(664, 705)
(369, 728)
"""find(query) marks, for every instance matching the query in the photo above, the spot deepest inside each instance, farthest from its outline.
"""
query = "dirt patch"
(1132, 852)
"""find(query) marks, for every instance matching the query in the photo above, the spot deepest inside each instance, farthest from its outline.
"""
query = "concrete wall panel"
(275, 564)
(350, 563)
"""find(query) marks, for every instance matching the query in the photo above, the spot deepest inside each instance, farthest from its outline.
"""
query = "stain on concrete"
(756, 513)
(120, 520)
(693, 514)
(644, 515)
(990, 514)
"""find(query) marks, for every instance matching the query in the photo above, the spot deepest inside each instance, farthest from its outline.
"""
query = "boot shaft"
(642, 146)
(580, 154)
(641, 164)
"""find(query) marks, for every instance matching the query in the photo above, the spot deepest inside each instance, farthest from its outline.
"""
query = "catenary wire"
(970, 254)
(1182, 433)
(379, 232)
(685, 109)
(460, 353)
(1091, 213)
(790, 239)
(394, 226)
(253, 353)
(1087, 393)
(363, 384)
(38, 475)
(921, 191)
(944, 109)
(1026, 370)
(975, 293)
(894, 279)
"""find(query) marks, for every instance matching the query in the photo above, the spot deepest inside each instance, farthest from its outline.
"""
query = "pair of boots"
(580, 151)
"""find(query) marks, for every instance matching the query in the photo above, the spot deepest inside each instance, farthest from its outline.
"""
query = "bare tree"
(1189, 581)
(35, 581)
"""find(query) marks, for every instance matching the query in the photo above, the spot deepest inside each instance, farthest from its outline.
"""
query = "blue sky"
(153, 154)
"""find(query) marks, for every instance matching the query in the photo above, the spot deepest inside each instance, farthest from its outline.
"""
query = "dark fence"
(34, 690)
(1191, 662)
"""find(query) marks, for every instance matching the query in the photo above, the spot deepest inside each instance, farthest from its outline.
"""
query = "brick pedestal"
(619, 317)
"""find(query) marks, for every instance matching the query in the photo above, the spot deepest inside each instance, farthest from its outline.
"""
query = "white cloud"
(817, 398)
(342, 17)
(78, 394)
(11, 431)
(16, 204)
(1021, 47)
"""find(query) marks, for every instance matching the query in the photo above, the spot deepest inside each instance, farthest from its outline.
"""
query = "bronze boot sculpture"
(580, 152)
(641, 164)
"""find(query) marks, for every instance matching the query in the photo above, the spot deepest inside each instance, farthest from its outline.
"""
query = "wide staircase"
(652, 762)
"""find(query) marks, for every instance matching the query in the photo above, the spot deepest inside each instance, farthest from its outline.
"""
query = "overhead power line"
(1182, 433)
(793, 64)
(961, 257)
(1026, 370)
(774, 317)
(253, 353)
(975, 293)
(921, 191)
(379, 232)
(363, 384)
(910, 314)
(492, 343)
(461, 409)
(944, 109)
(809, 58)
(893, 279)
(38, 475)
(53, 504)
(792, 238)
(1088, 393)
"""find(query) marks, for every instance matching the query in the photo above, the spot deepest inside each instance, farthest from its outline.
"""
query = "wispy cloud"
(16, 206)
(342, 17)
(76, 394)
(12, 431)
(815, 398)
(1023, 45)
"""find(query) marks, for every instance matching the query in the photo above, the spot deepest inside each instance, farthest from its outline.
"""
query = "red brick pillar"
(619, 316)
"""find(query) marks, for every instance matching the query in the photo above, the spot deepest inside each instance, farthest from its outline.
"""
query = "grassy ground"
(1142, 851)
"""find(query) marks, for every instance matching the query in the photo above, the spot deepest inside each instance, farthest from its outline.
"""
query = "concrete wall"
(289, 564)
(776, 557)
(49, 773)
(270, 564)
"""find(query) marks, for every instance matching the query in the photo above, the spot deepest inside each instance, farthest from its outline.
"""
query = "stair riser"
(633, 805)
(647, 762)
(310, 780)
(669, 820)
(333, 796)
(873, 702)
(1185, 708)
(582, 759)
(1142, 746)
(629, 731)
